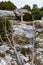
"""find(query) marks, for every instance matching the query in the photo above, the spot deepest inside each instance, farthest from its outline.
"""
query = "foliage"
(41, 9)
(35, 6)
(7, 6)
(2, 27)
(27, 7)
(27, 17)
(36, 13)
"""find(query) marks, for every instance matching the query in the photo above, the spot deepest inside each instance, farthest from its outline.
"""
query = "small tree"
(35, 6)
(27, 7)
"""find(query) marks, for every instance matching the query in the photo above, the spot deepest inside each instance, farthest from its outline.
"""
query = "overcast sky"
(21, 3)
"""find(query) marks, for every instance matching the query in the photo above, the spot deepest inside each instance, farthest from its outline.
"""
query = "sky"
(21, 3)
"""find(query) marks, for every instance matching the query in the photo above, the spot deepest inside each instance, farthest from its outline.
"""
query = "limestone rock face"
(4, 62)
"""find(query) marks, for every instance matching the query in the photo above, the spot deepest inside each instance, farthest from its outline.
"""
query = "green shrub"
(27, 17)
(7, 6)
(2, 27)
(36, 13)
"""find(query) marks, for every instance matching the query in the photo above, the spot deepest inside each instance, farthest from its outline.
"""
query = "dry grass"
(2, 55)
(20, 40)
(15, 22)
